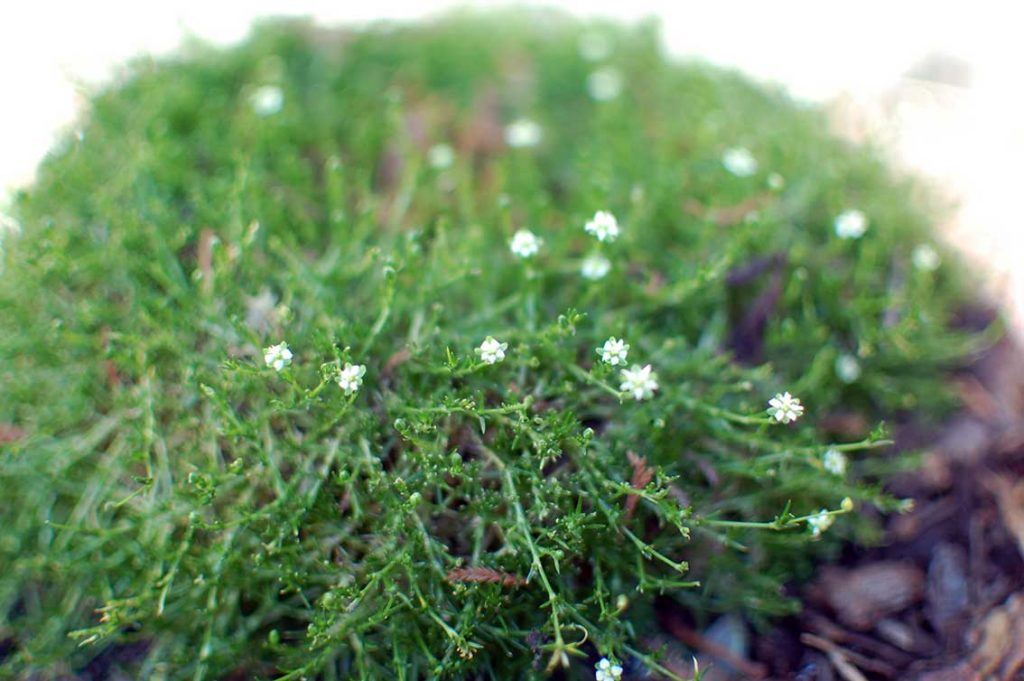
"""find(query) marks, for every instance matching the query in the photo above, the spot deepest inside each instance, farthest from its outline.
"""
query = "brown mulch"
(942, 597)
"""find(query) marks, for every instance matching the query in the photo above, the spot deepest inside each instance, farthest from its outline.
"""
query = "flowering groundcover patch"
(439, 351)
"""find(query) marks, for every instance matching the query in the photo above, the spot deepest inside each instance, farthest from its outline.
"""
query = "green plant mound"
(396, 496)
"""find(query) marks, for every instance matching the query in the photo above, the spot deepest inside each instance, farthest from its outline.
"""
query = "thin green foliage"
(353, 194)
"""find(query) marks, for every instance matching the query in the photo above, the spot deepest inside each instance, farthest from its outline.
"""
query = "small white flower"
(278, 356)
(525, 243)
(641, 382)
(776, 182)
(523, 133)
(595, 46)
(739, 161)
(785, 408)
(820, 522)
(603, 226)
(267, 100)
(604, 84)
(847, 368)
(925, 258)
(491, 350)
(351, 377)
(614, 351)
(606, 671)
(595, 266)
(835, 462)
(851, 224)
(440, 156)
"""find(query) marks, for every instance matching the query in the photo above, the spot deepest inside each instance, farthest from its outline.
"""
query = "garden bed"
(496, 347)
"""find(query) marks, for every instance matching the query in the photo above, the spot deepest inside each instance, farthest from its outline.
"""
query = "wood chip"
(1010, 498)
(862, 596)
(999, 641)
(836, 655)
(946, 592)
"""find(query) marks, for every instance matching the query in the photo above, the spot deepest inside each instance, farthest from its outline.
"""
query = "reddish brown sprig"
(10, 433)
(484, 575)
(642, 474)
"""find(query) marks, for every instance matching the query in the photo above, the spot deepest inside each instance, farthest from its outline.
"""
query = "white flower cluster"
(851, 224)
(277, 357)
(739, 161)
(785, 408)
(492, 351)
(603, 226)
(523, 133)
(350, 378)
(614, 351)
(266, 100)
(595, 266)
(820, 522)
(847, 368)
(525, 243)
(925, 258)
(834, 462)
(640, 382)
(605, 670)
(440, 156)
(604, 84)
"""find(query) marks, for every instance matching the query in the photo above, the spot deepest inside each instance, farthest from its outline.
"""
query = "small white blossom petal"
(267, 100)
(595, 267)
(350, 378)
(440, 156)
(739, 161)
(491, 350)
(851, 224)
(640, 382)
(785, 408)
(605, 84)
(835, 462)
(614, 351)
(820, 522)
(525, 243)
(523, 133)
(606, 671)
(925, 258)
(278, 356)
(603, 226)
(847, 368)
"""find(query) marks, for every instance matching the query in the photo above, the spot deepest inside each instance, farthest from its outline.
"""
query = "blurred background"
(937, 84)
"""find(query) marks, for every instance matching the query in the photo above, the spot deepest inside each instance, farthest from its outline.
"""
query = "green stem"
(595, 381)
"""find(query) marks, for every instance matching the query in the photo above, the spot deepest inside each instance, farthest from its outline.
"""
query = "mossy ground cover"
(395, 496)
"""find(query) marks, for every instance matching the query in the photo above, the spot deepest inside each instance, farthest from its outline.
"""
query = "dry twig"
(642, 475)
(484, 575)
